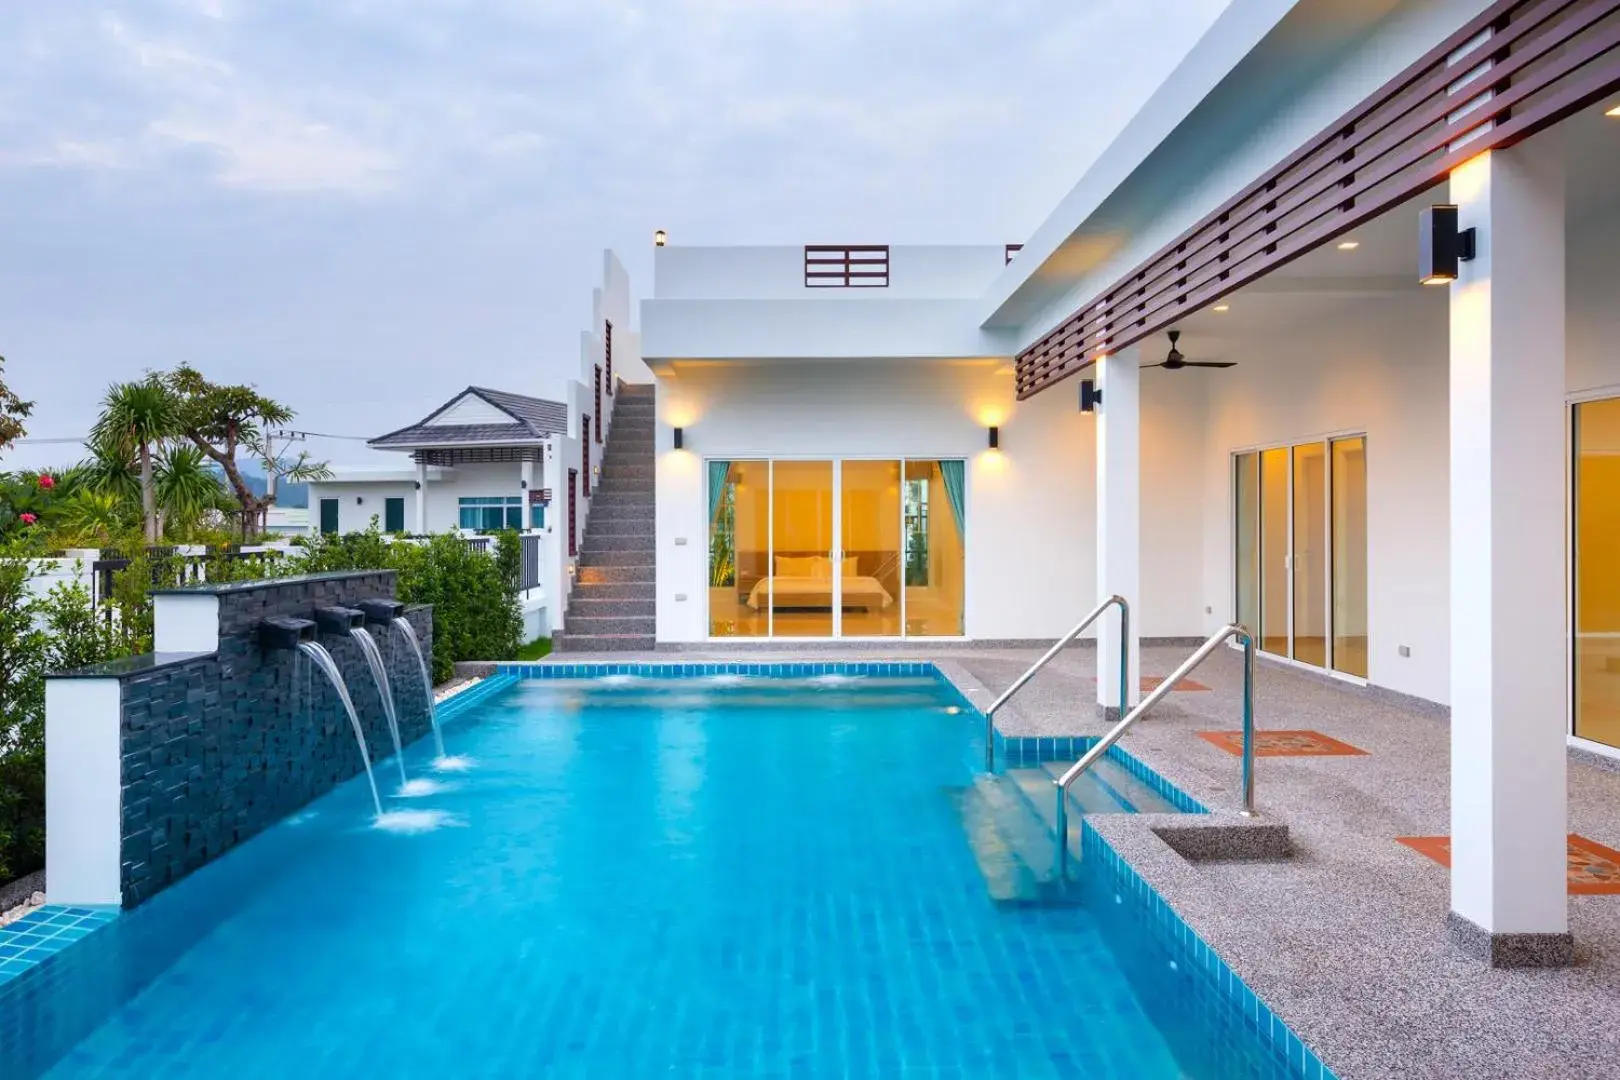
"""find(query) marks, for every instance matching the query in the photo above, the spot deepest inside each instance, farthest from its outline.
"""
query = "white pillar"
(1508, 795)
(421, 498)
(1119, 471)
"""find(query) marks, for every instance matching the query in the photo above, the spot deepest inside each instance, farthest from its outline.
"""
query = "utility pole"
(272, 467)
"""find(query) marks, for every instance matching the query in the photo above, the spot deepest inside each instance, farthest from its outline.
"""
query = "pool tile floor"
(44, 932)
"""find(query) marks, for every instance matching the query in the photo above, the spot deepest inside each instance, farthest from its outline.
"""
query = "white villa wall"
(843, 327)
(1031, 545)
(916, 272)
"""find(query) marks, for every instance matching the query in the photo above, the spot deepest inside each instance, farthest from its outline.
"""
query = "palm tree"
(111, 469)
(186, 486)
(94, 517)
(140, 416)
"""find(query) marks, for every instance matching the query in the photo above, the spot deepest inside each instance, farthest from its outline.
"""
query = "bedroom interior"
(897, 568)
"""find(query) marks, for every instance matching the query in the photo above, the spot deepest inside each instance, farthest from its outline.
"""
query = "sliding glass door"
(1595, 663)
(1300, 551)
(897, 567)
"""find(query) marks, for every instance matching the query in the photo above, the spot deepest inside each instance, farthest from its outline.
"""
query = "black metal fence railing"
(529, 567)
(479, 544)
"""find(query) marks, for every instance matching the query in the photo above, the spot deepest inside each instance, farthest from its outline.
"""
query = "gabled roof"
(526, 420)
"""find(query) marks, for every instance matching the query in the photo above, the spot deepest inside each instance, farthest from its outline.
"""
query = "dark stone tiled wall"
(220, 747)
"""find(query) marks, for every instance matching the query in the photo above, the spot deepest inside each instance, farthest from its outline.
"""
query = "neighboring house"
(488, 460)
(287, 520)
(1397, 485)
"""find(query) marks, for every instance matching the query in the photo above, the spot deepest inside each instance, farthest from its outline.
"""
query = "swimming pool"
(713, 877)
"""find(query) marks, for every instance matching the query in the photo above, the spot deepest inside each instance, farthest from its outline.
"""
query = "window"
(585, 454)
(916, 530)
(537, 515)
(608, 351)
(573, 528)
(329, 517)
(394, 515)
(840, 266)
(491, 513)
(598, 403)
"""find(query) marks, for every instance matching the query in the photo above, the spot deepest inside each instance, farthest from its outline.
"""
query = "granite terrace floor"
(1346, 940)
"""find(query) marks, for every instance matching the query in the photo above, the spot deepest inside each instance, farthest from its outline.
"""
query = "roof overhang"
(1236, 78)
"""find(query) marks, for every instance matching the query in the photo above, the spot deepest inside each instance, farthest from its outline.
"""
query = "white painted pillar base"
(1508, 618)
(421, 499)
(1119, 471)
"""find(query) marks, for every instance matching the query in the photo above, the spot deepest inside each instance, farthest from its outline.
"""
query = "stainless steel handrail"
(1102, 745)
(1062, 643)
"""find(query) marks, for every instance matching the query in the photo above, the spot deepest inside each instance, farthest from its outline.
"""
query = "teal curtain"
(717, 486)
(954, 473)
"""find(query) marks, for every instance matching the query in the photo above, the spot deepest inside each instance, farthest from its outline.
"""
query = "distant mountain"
(287, 494)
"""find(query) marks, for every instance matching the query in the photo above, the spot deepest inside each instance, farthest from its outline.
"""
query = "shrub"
(23, 658)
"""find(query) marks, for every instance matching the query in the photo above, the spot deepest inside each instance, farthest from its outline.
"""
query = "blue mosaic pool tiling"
(482, 691)
(665, 669)
(44, 932)
(1148, 936)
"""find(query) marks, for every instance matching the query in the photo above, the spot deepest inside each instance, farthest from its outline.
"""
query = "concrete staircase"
(612, 603)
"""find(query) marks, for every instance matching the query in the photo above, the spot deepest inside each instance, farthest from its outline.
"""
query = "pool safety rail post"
(1101, 747)
(1063, 643)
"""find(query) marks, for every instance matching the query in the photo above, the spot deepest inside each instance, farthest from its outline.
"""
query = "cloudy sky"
(364, 205)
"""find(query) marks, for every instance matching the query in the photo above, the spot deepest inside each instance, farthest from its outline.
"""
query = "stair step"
(583, 643)
(604, 525)
(599, 625)
(616, 575)
(1013, 847)
(640, 541)
(595, 607)
(1130, 794)
(624, 513)
(614, 590)
(643, 558)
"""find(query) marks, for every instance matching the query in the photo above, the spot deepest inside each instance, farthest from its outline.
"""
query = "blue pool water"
(705, 880)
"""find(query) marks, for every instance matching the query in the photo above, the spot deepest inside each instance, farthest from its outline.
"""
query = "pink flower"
(47, 481)
(27, 519)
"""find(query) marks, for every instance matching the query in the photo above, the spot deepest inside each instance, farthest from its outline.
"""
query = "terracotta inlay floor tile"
(1151, 682)
(1437, 848)
(1274, 743)
(1594, 870)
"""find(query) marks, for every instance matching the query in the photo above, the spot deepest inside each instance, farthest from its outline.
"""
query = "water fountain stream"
(409, 632)
(379, 673)
(323, 660)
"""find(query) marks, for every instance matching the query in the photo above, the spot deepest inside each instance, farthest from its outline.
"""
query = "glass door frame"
(1326, 441)
(837, 462)
(1572, 567)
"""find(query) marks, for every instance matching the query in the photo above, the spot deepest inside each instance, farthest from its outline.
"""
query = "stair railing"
(1063, 643)
(1101, 747)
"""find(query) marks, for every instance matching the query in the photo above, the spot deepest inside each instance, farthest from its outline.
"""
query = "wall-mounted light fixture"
(359, 500)
(680, 438)
(660, 238)
(995, 437)
(418, 485)
(1090, 396)
(1442, 247)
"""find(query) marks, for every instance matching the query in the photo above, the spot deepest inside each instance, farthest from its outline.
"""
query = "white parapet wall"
(83, 787)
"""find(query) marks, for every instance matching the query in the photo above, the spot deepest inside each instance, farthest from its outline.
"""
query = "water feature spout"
(338, 620)
(404, 626)
(381, 611)
(323, 660)
(283, 632)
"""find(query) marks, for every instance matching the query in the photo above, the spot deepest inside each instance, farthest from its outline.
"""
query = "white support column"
(421, 499)
(1119, 472)
(1508, 624)
(83, 791)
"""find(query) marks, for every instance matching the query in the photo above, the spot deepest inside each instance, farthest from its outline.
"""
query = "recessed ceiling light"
(1221, 307)
(1349, 245)
(1613, 112)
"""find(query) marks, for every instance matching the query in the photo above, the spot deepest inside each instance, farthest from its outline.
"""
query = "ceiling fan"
(1175, 361)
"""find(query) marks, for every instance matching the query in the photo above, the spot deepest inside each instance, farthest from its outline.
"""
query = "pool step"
(1123, 791)
(1012, 847)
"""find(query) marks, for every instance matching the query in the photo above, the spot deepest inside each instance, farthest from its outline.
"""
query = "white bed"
(785, 591)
